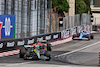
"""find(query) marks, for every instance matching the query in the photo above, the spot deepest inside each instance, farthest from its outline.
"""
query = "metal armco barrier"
(69, 32)
(65, 34)
(73, 31)
(6, 45)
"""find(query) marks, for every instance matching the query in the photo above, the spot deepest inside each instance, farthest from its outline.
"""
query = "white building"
(95, 7)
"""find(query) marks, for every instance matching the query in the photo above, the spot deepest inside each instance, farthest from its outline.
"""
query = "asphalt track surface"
(87, 57)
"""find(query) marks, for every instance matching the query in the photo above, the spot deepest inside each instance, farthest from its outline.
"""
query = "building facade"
(95, 7)
(31, 16)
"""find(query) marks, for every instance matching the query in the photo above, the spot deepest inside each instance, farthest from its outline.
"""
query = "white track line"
(77, 49)
(16, 64)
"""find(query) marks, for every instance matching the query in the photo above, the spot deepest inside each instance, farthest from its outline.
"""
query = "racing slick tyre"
(22, 52)
(73, 36)
(47, 53)
(76, 35)
(92, 37)
(49, 58)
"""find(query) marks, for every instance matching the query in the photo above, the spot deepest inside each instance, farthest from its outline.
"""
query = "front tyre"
(47, 53)
(49, 58)
(22, 52)
(73, 36)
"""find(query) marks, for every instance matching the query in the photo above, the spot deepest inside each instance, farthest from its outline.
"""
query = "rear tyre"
(21, 55)
(47, 53)
(92, 37)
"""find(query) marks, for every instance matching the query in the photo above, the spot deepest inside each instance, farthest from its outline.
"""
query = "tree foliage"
(87, 5)
(80, 6)
(61, 5)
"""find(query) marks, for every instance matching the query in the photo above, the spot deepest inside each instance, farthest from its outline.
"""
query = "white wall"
(96, 19)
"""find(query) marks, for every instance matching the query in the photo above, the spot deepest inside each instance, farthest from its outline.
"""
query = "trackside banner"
(7, 26)
(65, 34)
(13, 44)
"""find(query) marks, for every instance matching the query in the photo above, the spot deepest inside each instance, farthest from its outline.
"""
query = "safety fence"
(35, 17)
(68, 21)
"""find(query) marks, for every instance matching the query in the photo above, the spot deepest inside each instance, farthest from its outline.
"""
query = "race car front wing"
(77, 38)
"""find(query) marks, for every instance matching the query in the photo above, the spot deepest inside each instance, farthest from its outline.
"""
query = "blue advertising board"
(7, 27)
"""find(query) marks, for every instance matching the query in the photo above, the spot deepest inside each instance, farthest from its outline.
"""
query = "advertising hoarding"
(7, 26)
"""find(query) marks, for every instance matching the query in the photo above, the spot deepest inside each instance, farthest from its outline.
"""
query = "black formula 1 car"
(85, 35)
(35, 53)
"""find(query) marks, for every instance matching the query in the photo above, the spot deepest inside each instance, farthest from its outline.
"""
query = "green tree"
(62, 5)
(80, 7)
(87, 5)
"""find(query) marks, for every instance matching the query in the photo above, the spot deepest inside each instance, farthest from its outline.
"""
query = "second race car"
(85, 35)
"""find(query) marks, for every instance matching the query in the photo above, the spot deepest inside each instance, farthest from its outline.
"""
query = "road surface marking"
(19, 63)
(77, 49)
